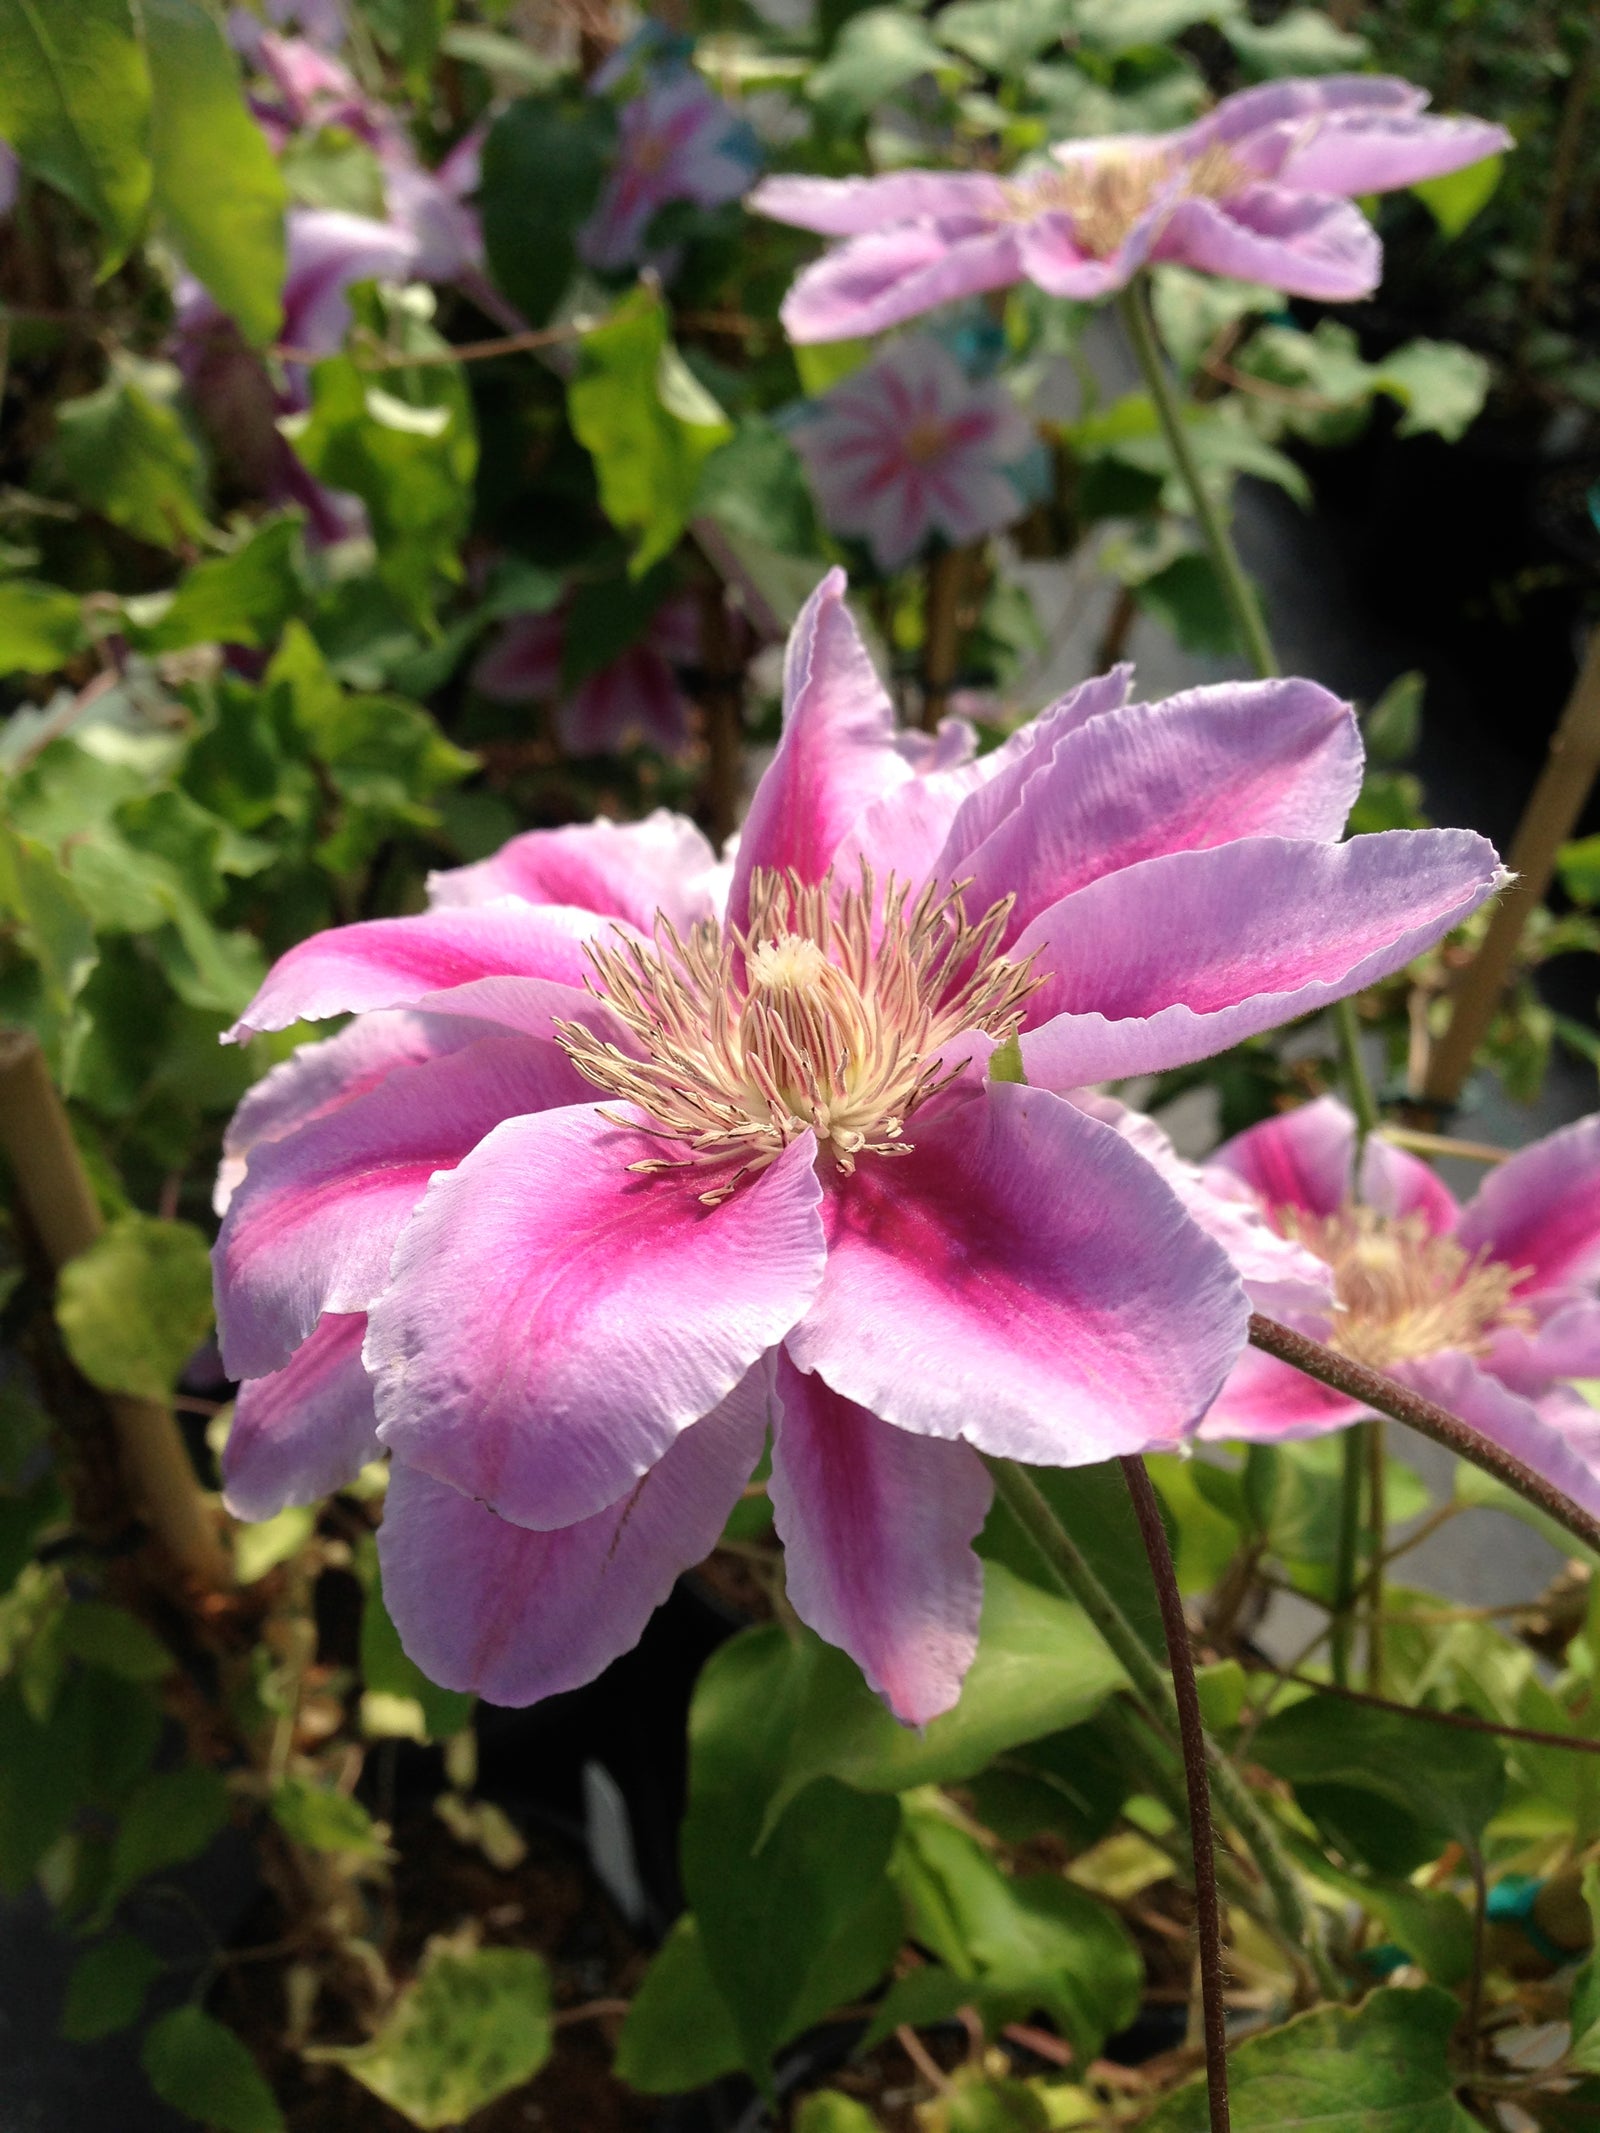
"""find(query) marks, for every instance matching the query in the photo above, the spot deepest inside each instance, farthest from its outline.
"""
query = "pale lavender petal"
(877, 1528)
(1542, 1210)
(438, 960)
(1176, 958)
(328, 252)
(1298, 104)
(1052, 257)
(517, 1615)
(626, 870)
(522, 664)
(1266, 1402)
(1241, 759)
(313, 1224)
(318, 1078)
(1398, 1184)
(1559, 1437)
(304, 1431)
(868, 284)
(837, 754)
(1566, 1345)
(1302, 243)
(861, 207)
(1302, 1159)
(1377, 152)
(555, 1320)
(1022, 1280)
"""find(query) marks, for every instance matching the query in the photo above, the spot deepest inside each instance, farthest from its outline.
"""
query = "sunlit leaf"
(204, 2070)
(75, 105)
(134, 1307)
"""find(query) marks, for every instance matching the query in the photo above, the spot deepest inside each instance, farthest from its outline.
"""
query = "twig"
(1547, 822)
(1462, 1721)
(1386, 1397)
(1180, 1662)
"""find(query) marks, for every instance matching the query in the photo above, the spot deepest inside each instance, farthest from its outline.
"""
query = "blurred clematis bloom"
(625, 1160)
(1490, 1309)
(909, 446)
(634, 697)
(1261, 188)
(677, 140)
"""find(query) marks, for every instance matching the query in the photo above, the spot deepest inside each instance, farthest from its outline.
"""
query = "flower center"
(925, 441)
(830, 1012)
(1402, 1291)
(1104, 195)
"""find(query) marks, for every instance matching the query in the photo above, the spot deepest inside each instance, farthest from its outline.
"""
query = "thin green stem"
(1346, 1548)
(1297, 1920)
(1347, 1023)
(1378, 1520)
(1133, 307)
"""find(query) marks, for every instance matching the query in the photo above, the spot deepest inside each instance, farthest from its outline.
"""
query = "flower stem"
(1180, 1663)
(1154, 1693)
(1133, 307)
(1386, 1397)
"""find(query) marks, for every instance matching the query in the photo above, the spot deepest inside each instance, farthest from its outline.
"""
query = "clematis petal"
(1567, 1345)
(1297, 105)
(313, 1224)
(554, 1321)
(1559, 1437)
(1541, 1210)
(1024, 1280)
(1266, 1402)
(304, 1431)
(1242, 759)
(1378, 152)
(1052, 257)
(500, 961)
(626, 870)
(1304, 1158)
(877, 1528)
(860, 207)
(868, 284)
(837, 754)
(1302, 243)
(1172, 959)
(318, 1078)
(518, 1615)
(1396, 1183)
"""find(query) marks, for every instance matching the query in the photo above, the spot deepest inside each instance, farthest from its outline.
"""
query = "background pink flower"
(909, 447)
(1261, 188)
(677, 140)
(627, 1161)
(1489, 1308)
(635, 697)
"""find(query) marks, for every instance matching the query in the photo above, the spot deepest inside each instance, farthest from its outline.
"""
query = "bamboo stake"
(54, 1189)
(1547, 822)
(941, 627)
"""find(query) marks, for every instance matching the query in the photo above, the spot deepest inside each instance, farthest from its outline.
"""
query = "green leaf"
(107, 1988)
(830, 2111)
(218, 194)
(1192, 309)
(1383, 2067)
(474, 2024)
(1393, 726)
(325, 1820)
(1441, 386)
(1187, 599)
(75, 105)
(1579, 867)
(754, 486)
(41, 627)
(769, 1899)
(410, 29)
(1301, 41)
(980, 2102)
(386, 1672)
(1003, 35)
(1456, 199)
(556, 153)
(1040, 1666)
(244, 598)
(1585, 2010)
(109, 1637)
(878, 52)
(55, 930)
(678, 2034)
(134, 1307)
(822, 364)
(261, 1545)
(204, 2070)
(172, 1817)
(1388, 1789)
(125, 453)
(647, 423)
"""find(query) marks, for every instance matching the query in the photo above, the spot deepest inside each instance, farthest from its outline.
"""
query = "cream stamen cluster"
(1403, 1291)
(829, 1012)
(1104, 195)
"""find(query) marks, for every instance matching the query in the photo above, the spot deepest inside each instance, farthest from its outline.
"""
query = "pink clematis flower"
(636, 697)
(1490, 1309)
(1260, 188)
(626, 1159)
(678, 140)
(909, 447)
